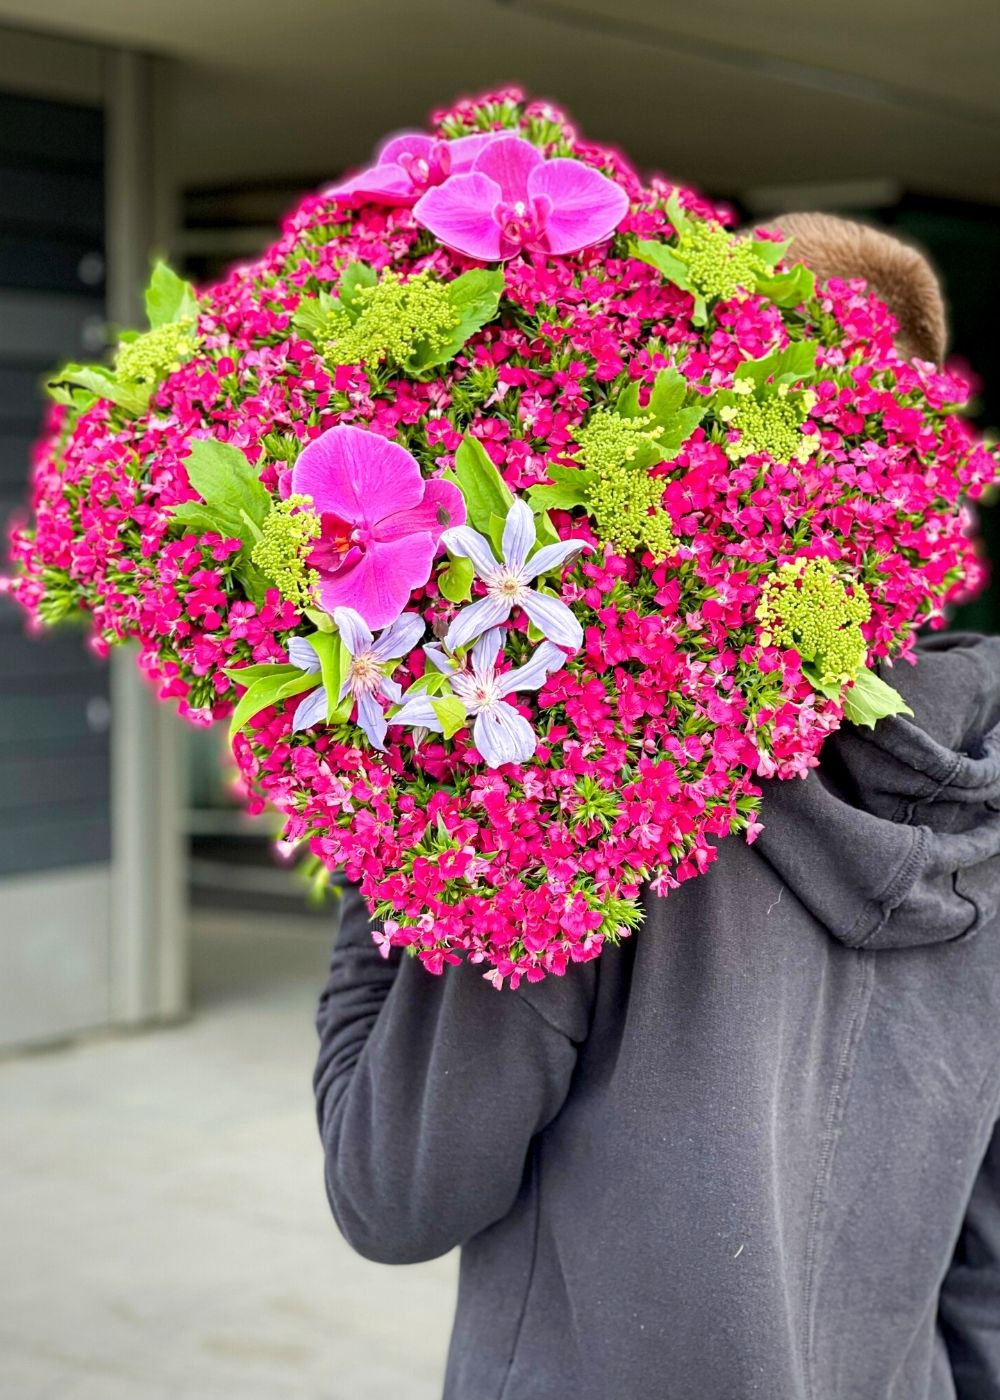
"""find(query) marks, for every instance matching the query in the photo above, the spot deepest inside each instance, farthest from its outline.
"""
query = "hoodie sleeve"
(970, 1298)
(430, 1089)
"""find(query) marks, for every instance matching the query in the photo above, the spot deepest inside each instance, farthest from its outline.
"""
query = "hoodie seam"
(942, 767)
(836, 1110)
(536, 1186)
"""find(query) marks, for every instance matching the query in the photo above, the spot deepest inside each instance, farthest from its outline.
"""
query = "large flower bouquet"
(519, 516)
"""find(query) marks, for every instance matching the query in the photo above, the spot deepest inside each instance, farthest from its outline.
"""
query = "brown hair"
(900, 275)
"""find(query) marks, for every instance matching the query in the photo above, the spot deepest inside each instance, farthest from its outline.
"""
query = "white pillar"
(149, 961)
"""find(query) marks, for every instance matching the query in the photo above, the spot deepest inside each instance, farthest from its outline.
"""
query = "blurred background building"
(131, 887)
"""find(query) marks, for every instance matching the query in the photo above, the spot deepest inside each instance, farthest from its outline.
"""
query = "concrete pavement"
(163, 1226)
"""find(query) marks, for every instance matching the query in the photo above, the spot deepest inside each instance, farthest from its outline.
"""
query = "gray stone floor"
(163, 1227)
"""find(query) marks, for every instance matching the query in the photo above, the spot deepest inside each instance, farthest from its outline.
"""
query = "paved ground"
(163, 1228)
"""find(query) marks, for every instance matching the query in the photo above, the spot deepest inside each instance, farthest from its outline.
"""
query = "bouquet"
(519, 516)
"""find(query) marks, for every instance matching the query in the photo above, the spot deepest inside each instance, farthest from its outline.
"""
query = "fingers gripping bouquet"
(520, 517)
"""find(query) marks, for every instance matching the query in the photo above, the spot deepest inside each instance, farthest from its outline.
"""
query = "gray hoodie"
(751, 1152)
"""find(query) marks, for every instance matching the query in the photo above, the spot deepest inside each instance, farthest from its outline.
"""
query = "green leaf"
(342, 713)
(669, 392)
(312, 317)
(485, 491)
(322, 621)
(196, 516)
(769, 252)
(262, 693)
(870, 699)
(334, 661)
(79, 386)
(432, 682)
(789, 288)
(254, 530)
(296, 685)
(227, 483)
(234, 505)
(796, 362)
(246, 675)
(545, 531)
(678, 216)
(628, 401)
(677, 431)
(557, 497)
(452, 714)
(455, 582)
(832, 691)
(255, 584)
(475, 296)
(169, 298)
(666, 262)
(495, 532)
(570, 488)
(677, 423)
(355, 277)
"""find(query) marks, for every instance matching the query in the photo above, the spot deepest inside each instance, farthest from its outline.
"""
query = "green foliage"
(618, 446)
(80, 386)
(416, 325)
(432, 682)
(770, 252)
(234, 504)
(795, 363)
(790, 288)
(451, 713)
(670, 423)
(870, 699)
(673, 269)
(142, 360)
(485, 491)
(312, 317)
(168, 298)
(334, 662)
(265, 686)
(455, 580)
(226, 482)
(475, 299)
(709, 263)
(356, 278)
(570, 488)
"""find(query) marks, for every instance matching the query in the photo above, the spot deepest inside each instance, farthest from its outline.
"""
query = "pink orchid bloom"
(514, 200)
(381, 523)
(410, 164)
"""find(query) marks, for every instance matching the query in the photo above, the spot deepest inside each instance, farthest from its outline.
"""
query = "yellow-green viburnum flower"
(718, 263)
(625, 501)
(772, 425)
(611, 440)
(286, 538)
(806, 605)
(395, 317)
(150, 357)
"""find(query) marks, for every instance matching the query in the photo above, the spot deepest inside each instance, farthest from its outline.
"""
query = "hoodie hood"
(894, 841)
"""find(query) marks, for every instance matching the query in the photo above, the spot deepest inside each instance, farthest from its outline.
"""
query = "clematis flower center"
(508, 584)
(477, 689)
(364, 675)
